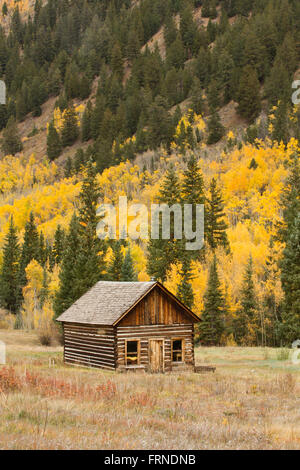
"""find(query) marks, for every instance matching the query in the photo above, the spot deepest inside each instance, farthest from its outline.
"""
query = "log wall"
(89, 345)
(166, 332)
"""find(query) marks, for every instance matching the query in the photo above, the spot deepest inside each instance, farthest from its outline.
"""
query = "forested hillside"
(176, 101)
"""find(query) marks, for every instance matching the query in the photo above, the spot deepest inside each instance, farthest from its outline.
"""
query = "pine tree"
(117, 61)
(79, 160)
(170, 30)
(205, 12)
(54, 147)
(70, 130)
(90, 263)
(4, 9)
(9, 270)
(42, 250)
(246, 321)
(67, 293)
(249, 94)
(290, 200)
(176, 54)
(280, 126)
(11, 142)
(290, 278)
(58, 245)
(188, 30)
(215, 128)
(162, 253)
(184, 289)
(212, 325)
(192, 192)
(68, 167)
(30, 250)
(193, 186)
(115, 266)
(86, 123)
(44, 293)
(271, 308)
(215, 225)
(128, 273)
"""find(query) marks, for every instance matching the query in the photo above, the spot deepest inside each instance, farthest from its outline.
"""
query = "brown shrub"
(9, 381)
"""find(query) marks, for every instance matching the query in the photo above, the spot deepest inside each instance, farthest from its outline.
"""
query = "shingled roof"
(106, 302)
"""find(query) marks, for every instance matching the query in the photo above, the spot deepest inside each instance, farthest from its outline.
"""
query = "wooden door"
(156, 348)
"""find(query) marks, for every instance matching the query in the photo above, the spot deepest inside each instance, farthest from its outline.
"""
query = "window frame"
(182, 350)
(138, 341)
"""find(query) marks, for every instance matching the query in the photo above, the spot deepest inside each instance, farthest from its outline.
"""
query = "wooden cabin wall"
(89, 345)
(166, 332)
(154, 309)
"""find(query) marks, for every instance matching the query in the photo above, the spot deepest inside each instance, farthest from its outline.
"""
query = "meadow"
(252, 401)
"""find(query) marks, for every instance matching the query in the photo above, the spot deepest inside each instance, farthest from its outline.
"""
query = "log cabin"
(129, 326)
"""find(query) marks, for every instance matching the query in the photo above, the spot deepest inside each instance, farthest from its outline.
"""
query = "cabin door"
(156, 349)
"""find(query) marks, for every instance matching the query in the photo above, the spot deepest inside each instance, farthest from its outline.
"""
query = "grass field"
(252, 401)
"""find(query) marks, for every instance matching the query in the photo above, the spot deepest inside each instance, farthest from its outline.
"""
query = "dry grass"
(251, 402)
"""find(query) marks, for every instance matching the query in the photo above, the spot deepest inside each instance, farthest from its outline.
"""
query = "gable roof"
(107, 302)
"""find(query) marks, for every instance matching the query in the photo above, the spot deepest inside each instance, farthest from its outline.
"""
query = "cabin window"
(177, 350)
(132, 353)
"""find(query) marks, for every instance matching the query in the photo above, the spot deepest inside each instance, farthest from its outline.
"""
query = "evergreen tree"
(67, 293)
(116, 264)
(184, 289)
(215, 225)
(176, 54)
(4, 9)
(170, 30)
(212, 325)
(11, 142)
(90, 261)
(9, 270)
(249, 94)
(30, 250)
(215, 128)
(117, 61)
(290, 200)
(54, 147)
(68, 167)
(205, 12)
(193, 186)
(86, 123)
(162, 253)
(128, 273)
(79, 160)
(70, 130)
(290, 278)
(280, 125)
(271, 308)
(192, 192)
(42, 250)
(58, 245)
(246, 321)
(44, 293)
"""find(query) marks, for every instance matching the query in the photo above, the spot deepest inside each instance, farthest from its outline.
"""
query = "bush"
(9, 381)
(45, 338)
